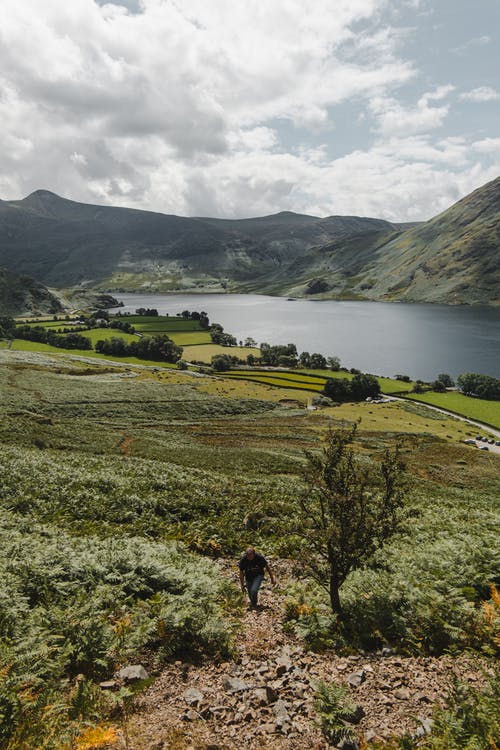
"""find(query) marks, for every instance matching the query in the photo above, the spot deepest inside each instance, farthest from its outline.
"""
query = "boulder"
(234, 684)
(355, 679)
(132, 674)
(402, 694)
(193, 697)
(282, 716)
(108, 684)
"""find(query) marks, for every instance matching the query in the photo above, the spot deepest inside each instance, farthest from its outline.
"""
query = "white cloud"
(471, 44)
(180, 108)
(481, 94)
(393, 118)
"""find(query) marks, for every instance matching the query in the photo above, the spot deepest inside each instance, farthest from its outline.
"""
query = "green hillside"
(116, 489)
(454, 258)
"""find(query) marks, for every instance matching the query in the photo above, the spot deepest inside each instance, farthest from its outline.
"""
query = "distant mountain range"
(453, 258)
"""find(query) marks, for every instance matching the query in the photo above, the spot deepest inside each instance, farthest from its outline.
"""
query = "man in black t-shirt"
(252, 566)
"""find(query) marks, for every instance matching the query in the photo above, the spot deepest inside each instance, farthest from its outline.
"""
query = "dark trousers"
(253, 586)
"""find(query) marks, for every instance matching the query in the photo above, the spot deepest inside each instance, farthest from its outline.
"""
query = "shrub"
(335, 708)
(470, 721)
(77, 606)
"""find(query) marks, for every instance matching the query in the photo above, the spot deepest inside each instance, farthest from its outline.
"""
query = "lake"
(384, 338)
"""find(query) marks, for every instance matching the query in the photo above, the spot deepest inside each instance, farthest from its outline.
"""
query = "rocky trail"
(264, 697)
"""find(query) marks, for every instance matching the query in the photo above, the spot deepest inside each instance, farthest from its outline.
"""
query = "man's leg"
(253, 589)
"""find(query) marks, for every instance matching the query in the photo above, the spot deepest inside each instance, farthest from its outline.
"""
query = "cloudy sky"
(234, 108)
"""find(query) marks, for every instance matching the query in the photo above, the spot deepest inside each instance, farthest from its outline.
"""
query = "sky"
(238, 108)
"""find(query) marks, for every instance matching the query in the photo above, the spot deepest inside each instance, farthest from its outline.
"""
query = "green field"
(205, 352)
(103, 334)
(473, 408)
(189, 338)
(280, 380)
(160, 323)
(313, 380)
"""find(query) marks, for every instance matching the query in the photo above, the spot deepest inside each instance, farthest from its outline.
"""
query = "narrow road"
(495, 434)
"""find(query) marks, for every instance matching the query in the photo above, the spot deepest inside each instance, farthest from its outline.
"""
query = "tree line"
(159, 348)
(72, 340)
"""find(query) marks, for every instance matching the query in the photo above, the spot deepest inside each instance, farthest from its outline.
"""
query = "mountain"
(453, 258)
(64, 243)
(22, 295)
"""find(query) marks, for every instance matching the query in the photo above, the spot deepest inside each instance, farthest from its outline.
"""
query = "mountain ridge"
(452, 258)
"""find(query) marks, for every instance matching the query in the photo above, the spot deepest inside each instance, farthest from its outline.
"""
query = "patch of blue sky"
(454, 43)
(133, 6)
(348, 128)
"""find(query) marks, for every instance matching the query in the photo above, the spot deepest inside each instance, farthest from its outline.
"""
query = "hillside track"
(191, 705)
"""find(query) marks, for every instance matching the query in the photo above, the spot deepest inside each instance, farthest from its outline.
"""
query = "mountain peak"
(42, 195)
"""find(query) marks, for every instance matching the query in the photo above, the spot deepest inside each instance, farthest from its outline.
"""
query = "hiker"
(252, 566)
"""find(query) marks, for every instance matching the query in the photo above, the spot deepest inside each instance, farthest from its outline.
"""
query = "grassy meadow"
(473, 408)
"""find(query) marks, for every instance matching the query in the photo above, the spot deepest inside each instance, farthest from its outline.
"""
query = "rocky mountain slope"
(453, 258)
(265, 696)
(22, 295)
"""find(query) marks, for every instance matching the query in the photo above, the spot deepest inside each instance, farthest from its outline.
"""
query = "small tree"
(333, 363)
(221, 362)
(445, 379)
(438, 386)
(347, 512)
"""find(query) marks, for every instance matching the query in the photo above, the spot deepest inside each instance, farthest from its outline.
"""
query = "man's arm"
(271, 574)
(242, 580)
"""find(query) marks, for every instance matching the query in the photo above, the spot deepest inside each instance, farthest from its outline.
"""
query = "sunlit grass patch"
(395, 418)
(275, 379)
(240, 388)
(272, 374)
(205, 352)
(189, 338)
(473, 408)
(104, 334)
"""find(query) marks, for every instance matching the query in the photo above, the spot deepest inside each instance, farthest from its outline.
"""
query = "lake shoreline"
(421, 340)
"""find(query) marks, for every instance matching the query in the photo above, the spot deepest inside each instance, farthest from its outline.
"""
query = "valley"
(141, 452)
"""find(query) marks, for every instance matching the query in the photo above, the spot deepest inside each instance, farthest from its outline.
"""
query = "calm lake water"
(378, 337)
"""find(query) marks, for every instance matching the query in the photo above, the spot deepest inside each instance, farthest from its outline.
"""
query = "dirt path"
(264, 697)
(125, 444)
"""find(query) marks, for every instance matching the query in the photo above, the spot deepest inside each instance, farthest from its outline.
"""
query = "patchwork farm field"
(205, 352)
(313, 380)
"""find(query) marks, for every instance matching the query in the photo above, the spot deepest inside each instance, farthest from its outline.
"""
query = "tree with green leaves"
(7, 326)
(348, 511)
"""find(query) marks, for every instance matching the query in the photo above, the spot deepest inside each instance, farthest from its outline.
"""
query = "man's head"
(250, 553)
